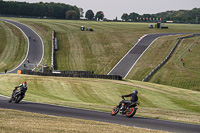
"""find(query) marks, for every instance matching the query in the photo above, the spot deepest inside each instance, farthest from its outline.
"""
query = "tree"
(124, 17)
(81, 12)
(133, 16)
(89, 14)
(99, 15)
(71, 14)
(53, 10)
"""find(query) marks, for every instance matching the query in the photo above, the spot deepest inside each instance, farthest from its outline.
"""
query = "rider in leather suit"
(23, 89)
(134, 98)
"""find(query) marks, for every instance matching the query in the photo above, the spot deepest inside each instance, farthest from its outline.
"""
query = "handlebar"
(122, 97)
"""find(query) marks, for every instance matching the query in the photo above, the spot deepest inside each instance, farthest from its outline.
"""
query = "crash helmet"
(24, 84)
(135, 92)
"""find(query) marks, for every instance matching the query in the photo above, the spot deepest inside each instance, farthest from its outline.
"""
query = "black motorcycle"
(17, 96)
(129, 109)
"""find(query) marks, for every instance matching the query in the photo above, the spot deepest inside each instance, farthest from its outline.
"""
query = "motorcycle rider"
(23, 89)
(134, 98)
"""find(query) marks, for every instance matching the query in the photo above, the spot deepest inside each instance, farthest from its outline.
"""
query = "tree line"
(180, 16)
(47, 10)
(90, 15)
(65, 11)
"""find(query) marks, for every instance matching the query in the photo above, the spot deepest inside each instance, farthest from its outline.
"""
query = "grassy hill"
(172, 73)
(157, 101)
(96, 51)
(13, 46)
(99, 51)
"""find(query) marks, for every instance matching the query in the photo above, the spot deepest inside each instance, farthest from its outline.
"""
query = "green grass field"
(32, 122)
(172, 73)
(100, 50)
(157, 101)
(13, 46)
(97, 51)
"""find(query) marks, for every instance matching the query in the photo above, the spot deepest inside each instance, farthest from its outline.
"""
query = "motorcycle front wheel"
(131, 112)
(115, 111)
(19, 98)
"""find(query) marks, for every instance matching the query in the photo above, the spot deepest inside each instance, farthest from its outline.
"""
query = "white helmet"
(135, 92)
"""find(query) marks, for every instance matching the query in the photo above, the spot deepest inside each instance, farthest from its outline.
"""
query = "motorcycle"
(17, 96)
(129, 108)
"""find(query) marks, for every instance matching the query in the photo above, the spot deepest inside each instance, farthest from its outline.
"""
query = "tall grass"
(13, 46)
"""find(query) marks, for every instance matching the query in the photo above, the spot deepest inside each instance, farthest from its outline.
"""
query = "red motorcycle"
(129, 108)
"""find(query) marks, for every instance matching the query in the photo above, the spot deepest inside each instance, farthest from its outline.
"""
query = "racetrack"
(35, 50)
(35, 55)
(124, 66)
(100, 116)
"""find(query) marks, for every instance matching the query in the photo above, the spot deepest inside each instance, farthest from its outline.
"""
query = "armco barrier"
(77, 72)
(70, 72)
(56, 44)
(53, 51)
(168, 57)
(80, 74)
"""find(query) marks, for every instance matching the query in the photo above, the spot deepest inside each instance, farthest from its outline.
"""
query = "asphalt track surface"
(100, 116)
(124, 66)
(35, 55)
(35, 49)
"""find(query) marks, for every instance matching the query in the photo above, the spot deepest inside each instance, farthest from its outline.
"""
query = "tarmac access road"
(124, 66)
(100, 116)
(35, 49)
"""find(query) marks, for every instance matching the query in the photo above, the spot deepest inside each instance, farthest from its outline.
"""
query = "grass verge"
(13, 46)
(157, 101)
(18, 121)
(173, 73)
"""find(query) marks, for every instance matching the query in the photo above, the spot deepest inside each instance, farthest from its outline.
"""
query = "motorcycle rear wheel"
(131, 112)
(115, 111)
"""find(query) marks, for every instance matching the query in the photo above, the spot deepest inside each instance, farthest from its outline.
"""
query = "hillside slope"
(97, 51)
(13, 46)
(157, 101)
(173, 73)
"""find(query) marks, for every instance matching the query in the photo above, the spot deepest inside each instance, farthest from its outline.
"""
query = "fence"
(168, 57)
(80, 74)
(54, 48)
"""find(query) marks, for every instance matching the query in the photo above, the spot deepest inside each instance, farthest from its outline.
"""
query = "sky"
(116, 8)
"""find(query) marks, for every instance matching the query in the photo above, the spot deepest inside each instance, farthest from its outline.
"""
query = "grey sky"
(115, 8)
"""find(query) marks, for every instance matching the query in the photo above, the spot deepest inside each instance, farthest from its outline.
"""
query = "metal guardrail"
(53, 56)
(79, 74)
(167, 58)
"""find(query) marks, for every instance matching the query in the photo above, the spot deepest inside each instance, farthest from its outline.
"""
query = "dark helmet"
(135, 92)
(24, 84)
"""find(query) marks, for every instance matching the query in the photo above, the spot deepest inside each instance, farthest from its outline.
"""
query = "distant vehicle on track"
(150, 26)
